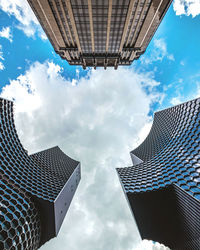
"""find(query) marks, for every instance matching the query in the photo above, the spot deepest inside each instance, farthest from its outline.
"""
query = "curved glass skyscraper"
(163, 185)
(36, 190)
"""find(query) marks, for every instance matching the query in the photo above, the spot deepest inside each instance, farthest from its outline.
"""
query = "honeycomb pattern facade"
(29, 186)
(19, 219)
(52, 161)
(170, 156)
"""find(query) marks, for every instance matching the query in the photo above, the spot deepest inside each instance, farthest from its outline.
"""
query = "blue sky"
(177, 76)
(96, 117)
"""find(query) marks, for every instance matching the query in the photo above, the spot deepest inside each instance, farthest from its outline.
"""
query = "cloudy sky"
(96, 117)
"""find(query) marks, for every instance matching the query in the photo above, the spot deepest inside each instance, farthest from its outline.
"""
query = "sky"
(96, 116)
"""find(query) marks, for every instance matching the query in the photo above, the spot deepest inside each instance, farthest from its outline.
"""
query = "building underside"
(103, 33)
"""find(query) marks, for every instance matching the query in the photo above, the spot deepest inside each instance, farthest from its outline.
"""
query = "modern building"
(103, 33)
(163, 185)
(35, 190)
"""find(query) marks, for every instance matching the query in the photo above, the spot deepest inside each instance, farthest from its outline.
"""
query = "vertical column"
(71, 16)
(108, 25)
(130, 9)
(91, 23)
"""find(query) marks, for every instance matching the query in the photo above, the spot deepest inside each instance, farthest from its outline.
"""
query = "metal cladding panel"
(35, 181)
(169, 216)
(171, 156)
(189, 211)
(62, 202)
(155, 218)
(20, 226)
(47, 219)
(65, 170)
(135, 159)
(56, 168)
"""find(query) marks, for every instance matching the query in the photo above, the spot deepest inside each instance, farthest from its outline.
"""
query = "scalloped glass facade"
(163, 185)
(36, 190)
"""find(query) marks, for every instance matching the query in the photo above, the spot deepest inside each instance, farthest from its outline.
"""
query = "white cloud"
(21, 10)
(180, 98)
(176, 100)
(98, 120)
(1, 53)
(187, 7)
(197, 92)
(182, 62)
(179, 7)
(2, 67)
(149, 245)
(158, 53)
(6, 33)
(144, 132)
(171, 57)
